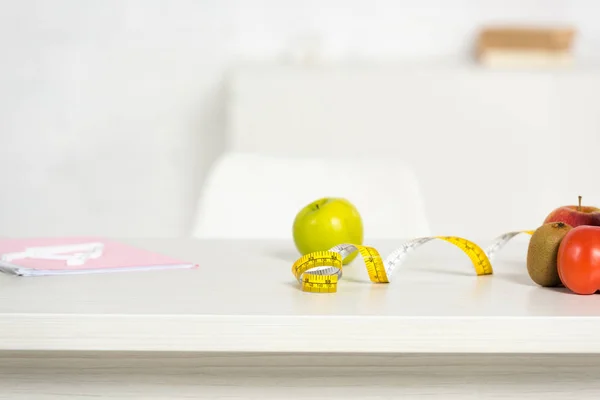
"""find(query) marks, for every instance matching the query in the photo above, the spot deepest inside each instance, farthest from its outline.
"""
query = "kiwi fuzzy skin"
(543, 251)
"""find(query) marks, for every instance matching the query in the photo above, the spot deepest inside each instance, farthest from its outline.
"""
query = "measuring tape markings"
(319, 272)
(500, 242)
(324, 270)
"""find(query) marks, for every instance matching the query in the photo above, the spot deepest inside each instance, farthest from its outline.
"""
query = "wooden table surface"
(240, 322)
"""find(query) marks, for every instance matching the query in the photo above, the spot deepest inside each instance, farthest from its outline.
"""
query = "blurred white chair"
(258, 196)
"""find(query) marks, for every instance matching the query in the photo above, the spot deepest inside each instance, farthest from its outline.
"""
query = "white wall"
(111, 110)
(493, 150)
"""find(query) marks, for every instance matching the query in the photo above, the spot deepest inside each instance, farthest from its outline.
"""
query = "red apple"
(575, 215)
(578, 260)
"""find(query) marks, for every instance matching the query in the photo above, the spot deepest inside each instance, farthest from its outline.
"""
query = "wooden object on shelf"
(525, 46)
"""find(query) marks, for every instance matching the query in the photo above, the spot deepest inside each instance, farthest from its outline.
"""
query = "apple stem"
(316, 205)
(579, 206)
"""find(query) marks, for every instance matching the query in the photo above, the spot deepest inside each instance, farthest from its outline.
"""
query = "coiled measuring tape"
(319, 272)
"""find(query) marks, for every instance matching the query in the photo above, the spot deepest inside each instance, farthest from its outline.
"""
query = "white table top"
(243, 297)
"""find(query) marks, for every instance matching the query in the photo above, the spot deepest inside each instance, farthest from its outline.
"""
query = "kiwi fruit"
(543, 251)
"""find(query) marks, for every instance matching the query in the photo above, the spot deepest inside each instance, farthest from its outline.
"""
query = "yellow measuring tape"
(319, 272)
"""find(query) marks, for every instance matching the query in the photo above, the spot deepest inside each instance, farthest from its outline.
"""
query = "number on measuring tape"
(319, 272)
(501, 241)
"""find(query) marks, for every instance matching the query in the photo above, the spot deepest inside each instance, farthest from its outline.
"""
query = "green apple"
(327, 222)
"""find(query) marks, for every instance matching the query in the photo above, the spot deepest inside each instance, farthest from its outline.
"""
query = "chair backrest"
(258, 196)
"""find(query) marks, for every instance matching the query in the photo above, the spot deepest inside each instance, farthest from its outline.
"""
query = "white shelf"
(244, 298)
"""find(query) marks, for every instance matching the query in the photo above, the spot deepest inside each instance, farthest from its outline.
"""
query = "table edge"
(300, 334)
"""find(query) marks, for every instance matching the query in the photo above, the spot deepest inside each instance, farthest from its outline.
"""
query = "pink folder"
(58, 256)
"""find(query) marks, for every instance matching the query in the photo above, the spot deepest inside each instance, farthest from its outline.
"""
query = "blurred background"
(126, 118)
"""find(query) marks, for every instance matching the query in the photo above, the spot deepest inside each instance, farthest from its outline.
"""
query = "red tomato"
(578, 260)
